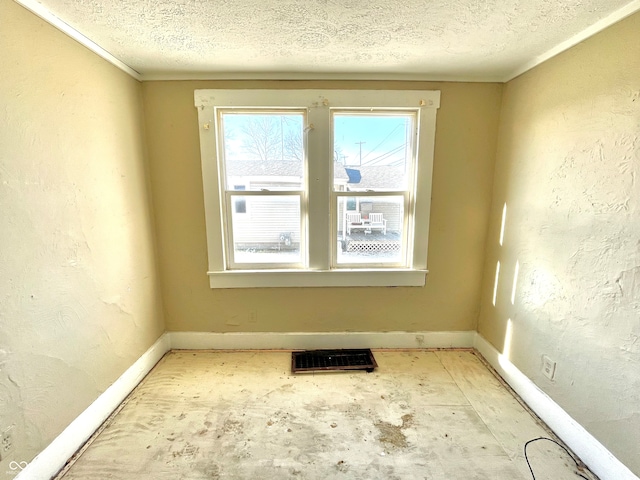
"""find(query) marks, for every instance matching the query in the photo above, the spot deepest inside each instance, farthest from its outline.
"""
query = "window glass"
(372, 233)
(269, 232)
(263, 151)
(372, 151)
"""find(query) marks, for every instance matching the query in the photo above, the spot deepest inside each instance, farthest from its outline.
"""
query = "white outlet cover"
(548, 367)
(6, 440)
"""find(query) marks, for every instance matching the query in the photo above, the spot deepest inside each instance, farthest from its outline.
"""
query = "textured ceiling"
(427, 39)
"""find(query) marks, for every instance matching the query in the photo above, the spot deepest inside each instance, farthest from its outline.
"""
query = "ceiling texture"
(471, 40)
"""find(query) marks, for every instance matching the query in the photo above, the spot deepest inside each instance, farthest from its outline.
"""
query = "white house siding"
(266, 219)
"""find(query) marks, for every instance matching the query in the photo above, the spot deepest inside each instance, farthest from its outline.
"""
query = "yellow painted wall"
(568, 168)
(79, 297)
(465, 147)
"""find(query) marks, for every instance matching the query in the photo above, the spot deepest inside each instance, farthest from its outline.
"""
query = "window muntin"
(319, 205)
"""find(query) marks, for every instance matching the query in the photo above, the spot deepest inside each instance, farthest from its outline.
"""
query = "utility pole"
(360, 160)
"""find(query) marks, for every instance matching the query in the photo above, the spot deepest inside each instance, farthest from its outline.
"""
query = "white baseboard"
(316, 340)
(53, 458)
(599, 460)
(49, 462)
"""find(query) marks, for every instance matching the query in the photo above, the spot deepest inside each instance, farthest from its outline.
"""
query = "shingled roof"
(357, 177)
(272, 168)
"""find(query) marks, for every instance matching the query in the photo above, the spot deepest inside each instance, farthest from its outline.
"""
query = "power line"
(382, 157)
(360, 143)
(383, 140)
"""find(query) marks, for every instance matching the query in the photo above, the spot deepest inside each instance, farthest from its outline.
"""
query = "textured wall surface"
(463, 167)
(568, 166)
(444, 40)
(79, 300)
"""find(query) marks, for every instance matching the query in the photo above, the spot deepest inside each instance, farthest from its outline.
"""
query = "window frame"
(407, 194)
(228, 191)
(317, 267)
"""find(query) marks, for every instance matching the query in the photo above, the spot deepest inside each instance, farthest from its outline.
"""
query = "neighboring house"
(274, 221)
(365, 178)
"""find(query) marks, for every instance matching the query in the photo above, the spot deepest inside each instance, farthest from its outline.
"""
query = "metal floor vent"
(322, 360)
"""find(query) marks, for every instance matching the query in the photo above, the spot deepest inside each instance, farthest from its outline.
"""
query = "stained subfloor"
(436, 415)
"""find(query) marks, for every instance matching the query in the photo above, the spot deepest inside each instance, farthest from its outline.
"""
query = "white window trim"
(318, 102)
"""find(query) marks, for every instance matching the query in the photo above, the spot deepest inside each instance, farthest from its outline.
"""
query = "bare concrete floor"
(437, 415)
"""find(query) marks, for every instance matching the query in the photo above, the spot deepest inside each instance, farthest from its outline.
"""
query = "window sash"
(231, 260)
(412, 147)
(220, 143)
(407, 231)
(228, 187)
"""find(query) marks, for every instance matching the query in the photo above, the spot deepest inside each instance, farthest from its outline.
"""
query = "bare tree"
(262, 137)
(293, 147)
(269, 137)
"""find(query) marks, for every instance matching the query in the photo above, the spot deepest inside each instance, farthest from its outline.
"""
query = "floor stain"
(232, 427)
(188, 452)
(392, 435)
(324, 427)
(341, 466)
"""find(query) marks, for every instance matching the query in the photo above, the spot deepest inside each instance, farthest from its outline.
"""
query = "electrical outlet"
(6, 441)
(548, 367)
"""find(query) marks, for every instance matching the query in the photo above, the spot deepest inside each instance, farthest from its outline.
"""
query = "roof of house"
(258, 168)
(357, 177)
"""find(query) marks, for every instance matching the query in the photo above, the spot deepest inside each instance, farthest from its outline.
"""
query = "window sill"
(318, 278)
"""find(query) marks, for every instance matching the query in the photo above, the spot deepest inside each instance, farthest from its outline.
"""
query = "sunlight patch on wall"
(504, 220)
(495, 283)
(504, 359)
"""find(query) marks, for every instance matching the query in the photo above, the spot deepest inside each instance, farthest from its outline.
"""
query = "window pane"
(372, 151)
(263, 151)
(268, 231)
(371, 233)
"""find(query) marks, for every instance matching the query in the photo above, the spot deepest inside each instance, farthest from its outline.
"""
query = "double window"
(316, 188)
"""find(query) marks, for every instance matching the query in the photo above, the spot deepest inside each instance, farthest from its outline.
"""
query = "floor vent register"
(326, 360)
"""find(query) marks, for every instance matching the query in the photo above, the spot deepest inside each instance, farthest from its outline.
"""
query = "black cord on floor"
(526, 457)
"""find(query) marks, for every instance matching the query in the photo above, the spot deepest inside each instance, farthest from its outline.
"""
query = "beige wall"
(465, 147)
(79, 300)
(568, 168)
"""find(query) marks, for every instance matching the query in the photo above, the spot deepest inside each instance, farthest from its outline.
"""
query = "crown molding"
(588, 32)
(49, 17)
(46, 15)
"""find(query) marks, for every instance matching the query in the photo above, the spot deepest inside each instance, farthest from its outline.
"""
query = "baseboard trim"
(316, 340)
(595, 455)
(49, 462)
(53, 458)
